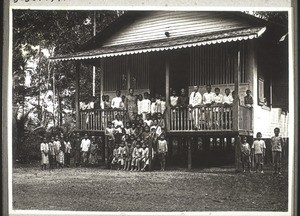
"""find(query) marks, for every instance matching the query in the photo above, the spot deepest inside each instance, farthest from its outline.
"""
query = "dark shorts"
(259, 159)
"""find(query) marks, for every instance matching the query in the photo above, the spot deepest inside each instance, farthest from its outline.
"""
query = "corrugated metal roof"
(138, 32)
(160, 45)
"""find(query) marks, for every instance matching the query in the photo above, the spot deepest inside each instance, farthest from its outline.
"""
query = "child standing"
(59, 152)
(245, 156)
(115, 155)
(259, 147)
(121, 155)
(162, 150)
(110, 137)
(68, 148)
(52, 159)
(93, 151)
(44, 153)
(136, 157)
(277, 144)
(85, 147)
(128, 155)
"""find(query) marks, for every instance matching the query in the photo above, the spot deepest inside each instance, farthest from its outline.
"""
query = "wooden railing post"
(167, 112)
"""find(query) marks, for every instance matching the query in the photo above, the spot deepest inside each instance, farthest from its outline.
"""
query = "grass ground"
(96, 189)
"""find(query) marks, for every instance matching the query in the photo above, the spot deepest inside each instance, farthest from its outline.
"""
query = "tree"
(53, 31)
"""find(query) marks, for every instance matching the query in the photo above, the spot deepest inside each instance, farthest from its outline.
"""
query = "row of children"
(256, 152)
(57, 151)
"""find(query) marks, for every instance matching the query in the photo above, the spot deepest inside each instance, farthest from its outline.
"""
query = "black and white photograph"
(118, 110)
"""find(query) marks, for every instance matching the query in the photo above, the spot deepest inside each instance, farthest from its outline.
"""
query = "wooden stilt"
(189, 153)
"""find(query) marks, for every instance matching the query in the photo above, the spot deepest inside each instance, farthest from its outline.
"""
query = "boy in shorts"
(259, 148)
(246, 151)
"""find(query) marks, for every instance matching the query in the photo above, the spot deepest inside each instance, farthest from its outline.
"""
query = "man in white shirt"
(116, 101)
(208, 99)
(195, 100)
(227, 99)
(85, 146)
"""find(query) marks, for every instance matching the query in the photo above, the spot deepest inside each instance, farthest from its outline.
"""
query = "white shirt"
(68, 147)
(218, 98)
(139, 106)
(208, 98)
(258, 146)
(163, 107)
(83, 106)
(116, 102)
(146, 106)
(173, 100)
(195, 99)
(118, 125)
(149, 122)
(90, 105)
(44, 147)
(153, 107)
(85, 145)
(228, 99)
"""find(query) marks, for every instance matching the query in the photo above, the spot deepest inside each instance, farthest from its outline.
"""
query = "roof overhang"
(165, 44)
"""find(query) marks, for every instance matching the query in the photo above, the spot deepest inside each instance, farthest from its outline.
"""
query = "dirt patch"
(96, 189)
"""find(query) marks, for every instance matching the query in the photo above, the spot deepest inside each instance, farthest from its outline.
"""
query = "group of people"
(133, 146)
(144, 104)
(257, 151)
(56, 151)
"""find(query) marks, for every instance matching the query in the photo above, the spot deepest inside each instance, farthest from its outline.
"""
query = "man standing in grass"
(276, 143)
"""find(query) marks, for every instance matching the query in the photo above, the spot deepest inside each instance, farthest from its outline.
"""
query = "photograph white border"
(94, 5)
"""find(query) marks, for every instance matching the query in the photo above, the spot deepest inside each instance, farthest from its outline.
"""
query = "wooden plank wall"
(152, 25)
(116, 68)
(214, 64)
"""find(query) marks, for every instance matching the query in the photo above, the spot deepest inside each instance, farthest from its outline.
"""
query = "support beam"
(77, 89)
(167, 112)
(189, 152)
(237, 144)
(101, 77)
(236, 102)
(128, 72)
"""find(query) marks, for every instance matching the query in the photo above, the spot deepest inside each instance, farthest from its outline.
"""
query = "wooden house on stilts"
(156, 51)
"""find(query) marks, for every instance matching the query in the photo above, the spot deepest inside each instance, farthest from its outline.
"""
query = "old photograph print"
(160, 111)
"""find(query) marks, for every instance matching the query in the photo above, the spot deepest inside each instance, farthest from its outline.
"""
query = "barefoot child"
(136, 157)
(115, 156)
(44, 153)
(128, 155)
(245, 156)
(277, 144)
(162, 150)
(259, 147)
(121, 155)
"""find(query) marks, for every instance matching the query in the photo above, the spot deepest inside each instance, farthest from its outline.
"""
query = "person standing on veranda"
(130, 105)
(194, 101)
